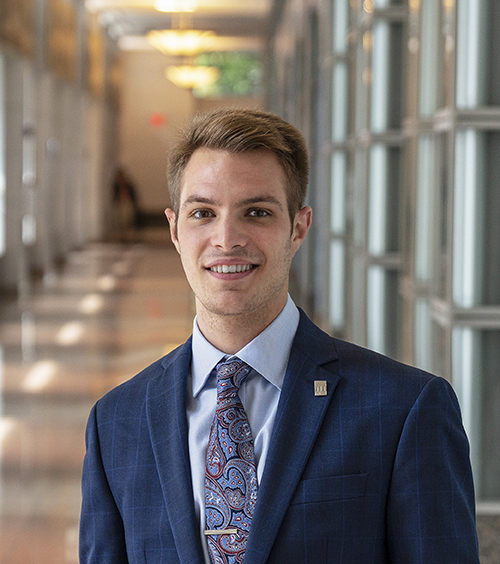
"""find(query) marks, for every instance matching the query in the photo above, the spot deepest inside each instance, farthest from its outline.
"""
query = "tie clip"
(221, 532)
(320, 388)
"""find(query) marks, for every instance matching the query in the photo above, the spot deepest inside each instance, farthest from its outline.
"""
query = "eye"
(201, 214)
(258, 212)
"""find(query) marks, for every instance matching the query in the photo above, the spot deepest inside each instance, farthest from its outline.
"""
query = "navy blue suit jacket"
(376, 472)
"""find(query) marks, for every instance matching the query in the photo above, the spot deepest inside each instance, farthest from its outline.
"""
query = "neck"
(230, 333)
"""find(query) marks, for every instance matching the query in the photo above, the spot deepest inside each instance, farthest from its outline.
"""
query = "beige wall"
(143, 148)
(208, 105)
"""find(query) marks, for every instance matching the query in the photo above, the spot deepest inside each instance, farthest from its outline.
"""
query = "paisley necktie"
(230, 477)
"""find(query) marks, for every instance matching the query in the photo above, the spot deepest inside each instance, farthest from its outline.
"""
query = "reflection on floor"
(111, 311)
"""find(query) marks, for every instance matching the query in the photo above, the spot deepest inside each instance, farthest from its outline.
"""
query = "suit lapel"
(298, 420)
(168, 430)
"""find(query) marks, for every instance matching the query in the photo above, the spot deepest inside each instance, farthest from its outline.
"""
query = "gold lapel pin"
(320, 388)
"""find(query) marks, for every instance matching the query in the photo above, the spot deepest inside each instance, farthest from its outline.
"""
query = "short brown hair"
(239, 131)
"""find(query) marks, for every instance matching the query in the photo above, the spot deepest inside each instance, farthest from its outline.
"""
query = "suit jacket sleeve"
(102, 539)
(430, 511)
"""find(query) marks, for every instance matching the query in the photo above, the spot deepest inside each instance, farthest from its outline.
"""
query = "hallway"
(109, 312)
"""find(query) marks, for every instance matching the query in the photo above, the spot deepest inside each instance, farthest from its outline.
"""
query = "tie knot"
(230, 375)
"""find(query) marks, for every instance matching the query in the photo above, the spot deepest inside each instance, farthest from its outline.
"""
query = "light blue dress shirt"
(268, 356)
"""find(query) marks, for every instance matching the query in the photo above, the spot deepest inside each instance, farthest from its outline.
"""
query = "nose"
(229, 233)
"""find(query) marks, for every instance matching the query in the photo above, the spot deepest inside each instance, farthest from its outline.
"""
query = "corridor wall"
(400, 101)
(59, 145)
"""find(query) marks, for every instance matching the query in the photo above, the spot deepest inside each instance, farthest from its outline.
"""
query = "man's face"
(233, 233)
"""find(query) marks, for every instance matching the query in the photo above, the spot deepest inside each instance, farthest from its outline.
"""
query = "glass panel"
(359, 203)
(442, 221)
(476, 357)
(29, 137)
(397, 79)
(337, 284)
(358, 301)
(490, 415)
(385, 188)
(447, 50)
(466, 379)
(393, 344)
(476, 241)
(29, 224)
(2, 157)
(386, 3)
(428, 57)
(339, 103)
(408, 189)
(440, 350)
(491, 239)
(378, 200)
(412, 48)
(338, 211)
(363, 80)
(425, 209)
(394, 195)
(471, 53)
(493, 55)
(380, 83)
(376, 309)
(468, 218)
(423, 342)
(380, 4)
(382, 311)
(340, 25)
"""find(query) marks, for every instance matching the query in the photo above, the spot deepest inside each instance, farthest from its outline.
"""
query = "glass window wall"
(410, 219)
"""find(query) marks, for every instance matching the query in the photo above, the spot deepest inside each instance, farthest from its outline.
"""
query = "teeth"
(226, 268)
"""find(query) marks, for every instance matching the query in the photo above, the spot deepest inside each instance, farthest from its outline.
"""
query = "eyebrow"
(263, 200)
(198, 200)
(195, 199)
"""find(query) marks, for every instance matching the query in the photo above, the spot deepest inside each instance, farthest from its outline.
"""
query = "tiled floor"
(112, 310)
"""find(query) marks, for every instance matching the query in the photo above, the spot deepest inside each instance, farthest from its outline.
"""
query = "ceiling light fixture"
(192, 76)
(175, 5)
(185, 42)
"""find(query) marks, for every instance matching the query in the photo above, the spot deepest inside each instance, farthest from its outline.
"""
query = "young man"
(262, 439)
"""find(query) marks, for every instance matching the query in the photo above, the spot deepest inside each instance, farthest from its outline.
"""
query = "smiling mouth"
(231, 268)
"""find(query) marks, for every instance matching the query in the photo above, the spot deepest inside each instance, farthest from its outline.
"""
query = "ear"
(173, 231)
(301, 225)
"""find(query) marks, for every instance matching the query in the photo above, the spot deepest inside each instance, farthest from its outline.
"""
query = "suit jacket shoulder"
(136, 387)
(348, 359)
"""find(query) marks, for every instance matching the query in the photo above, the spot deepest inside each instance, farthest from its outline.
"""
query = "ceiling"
(238, 23)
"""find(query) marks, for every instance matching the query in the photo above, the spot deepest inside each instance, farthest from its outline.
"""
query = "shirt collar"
(267, 354)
